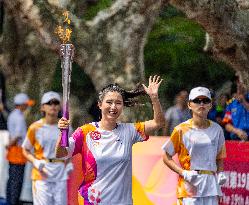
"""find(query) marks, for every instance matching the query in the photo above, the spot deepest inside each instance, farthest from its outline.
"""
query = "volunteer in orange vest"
(17, 129)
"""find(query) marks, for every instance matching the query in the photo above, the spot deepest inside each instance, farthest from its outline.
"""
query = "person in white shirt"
(178, 113)
(17, 131)
(106, 145)
(200, 145)
(49, 174)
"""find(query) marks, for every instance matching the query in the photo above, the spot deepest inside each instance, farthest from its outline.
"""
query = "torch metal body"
(66, 54)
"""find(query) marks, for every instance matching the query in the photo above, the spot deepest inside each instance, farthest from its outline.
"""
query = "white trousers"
(4, 165)
(211, 200)
(46, 193)
(26, 194)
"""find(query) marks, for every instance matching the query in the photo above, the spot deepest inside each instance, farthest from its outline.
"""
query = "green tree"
(175, 50)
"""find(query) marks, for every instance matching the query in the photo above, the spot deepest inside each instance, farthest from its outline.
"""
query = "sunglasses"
(52, 102)
(201, 100)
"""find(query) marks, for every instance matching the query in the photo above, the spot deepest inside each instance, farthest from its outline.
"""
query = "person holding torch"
(106, 145)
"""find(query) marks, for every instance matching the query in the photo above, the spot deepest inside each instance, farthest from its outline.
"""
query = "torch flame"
(64, 34)
(67, 20)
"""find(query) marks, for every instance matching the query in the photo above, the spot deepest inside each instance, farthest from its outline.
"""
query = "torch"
(66, 54)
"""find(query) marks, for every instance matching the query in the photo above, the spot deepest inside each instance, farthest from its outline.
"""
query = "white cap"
(21, 99)
(50, 96)
(199, 91)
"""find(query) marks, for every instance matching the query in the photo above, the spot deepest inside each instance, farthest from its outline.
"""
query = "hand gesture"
(154, 83)
(63, 123)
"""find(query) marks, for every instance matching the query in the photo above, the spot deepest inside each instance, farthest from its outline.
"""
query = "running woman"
(106, 145)
(200, 145)
(49, 175)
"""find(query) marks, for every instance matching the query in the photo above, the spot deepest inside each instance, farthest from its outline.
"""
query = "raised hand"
(154, 84)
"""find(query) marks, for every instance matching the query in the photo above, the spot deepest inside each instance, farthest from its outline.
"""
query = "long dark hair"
(128, 96)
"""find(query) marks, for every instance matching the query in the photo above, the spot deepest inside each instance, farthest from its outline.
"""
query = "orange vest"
(15, 155)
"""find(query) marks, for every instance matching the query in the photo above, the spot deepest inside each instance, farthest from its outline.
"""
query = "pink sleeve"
(78, 141)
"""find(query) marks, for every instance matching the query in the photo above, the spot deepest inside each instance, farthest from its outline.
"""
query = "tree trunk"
(111, 45)
(109, 48)
(226, 21)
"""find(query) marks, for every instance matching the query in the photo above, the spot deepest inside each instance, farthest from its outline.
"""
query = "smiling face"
(111, 106)
(200, 106)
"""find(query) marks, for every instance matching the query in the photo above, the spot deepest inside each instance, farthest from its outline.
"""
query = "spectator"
(17, 130)
(4, 136)
(4, 111)
(95, 111)
(212, 112)
(221, 105)
(218, 109)
(236, 119)
(177, 113)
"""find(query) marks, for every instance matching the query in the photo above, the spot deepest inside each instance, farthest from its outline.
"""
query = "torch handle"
(64, 136)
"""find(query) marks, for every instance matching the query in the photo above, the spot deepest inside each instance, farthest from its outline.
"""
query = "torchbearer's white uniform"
(197, 149)
(51, 189)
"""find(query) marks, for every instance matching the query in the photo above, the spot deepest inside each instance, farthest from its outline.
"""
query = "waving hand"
(154, 83)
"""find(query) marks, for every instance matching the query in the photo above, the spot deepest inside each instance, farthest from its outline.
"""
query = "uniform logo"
(95, 135)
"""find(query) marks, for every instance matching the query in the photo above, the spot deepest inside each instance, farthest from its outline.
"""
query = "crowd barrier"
(236, 166)
(155, 184)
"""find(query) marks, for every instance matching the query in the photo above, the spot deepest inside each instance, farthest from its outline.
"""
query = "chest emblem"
(95, 135)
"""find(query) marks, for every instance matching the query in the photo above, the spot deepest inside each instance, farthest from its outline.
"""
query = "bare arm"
(59, 150)
(240, 133)
(30, 157)
(220, 165)
(166, 128)
(230, 128)
(158, 120)
(167, 159)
